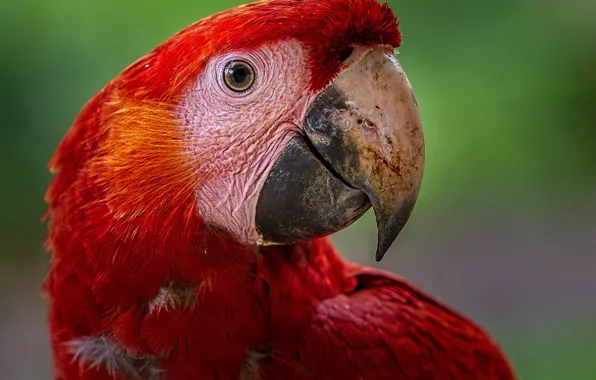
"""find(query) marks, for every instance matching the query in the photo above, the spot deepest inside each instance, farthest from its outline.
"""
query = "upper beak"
(364, 146)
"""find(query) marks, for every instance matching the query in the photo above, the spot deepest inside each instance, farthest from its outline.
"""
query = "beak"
(363, 146)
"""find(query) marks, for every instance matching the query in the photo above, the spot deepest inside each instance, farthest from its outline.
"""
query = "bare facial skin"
(237, 137)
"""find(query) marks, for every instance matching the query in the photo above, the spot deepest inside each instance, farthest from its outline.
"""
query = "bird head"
(274, 122)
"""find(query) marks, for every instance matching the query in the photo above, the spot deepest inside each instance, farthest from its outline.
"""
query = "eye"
(239, 76)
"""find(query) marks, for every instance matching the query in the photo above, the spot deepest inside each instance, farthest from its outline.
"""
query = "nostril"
(346, 53)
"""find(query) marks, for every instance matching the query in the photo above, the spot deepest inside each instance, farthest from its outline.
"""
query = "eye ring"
(239, 75)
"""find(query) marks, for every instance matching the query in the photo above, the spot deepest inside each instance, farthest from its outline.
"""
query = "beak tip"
(385, 240)
(380, 254)
(390, 225)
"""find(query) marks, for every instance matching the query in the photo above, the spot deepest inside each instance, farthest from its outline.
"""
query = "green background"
(504, 229)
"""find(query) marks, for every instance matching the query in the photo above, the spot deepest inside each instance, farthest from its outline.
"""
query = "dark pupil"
(240, 74)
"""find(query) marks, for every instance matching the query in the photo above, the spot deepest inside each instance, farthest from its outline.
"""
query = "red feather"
(124, 222)
(360, 323)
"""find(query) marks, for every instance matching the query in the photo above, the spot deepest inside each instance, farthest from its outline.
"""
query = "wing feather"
(387, 329)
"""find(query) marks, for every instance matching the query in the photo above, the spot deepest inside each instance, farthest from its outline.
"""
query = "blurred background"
(505, 226)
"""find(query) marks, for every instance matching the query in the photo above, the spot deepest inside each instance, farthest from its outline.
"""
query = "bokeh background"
(505, 226)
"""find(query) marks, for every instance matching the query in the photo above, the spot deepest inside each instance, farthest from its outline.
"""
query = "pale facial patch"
(237, 138)
(103, 354)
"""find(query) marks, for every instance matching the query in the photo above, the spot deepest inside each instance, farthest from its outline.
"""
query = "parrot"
(193, 199)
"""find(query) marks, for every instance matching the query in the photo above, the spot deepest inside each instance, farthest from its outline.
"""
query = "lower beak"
(363, 146)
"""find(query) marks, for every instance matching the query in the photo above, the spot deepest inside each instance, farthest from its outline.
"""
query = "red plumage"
(124, 222)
